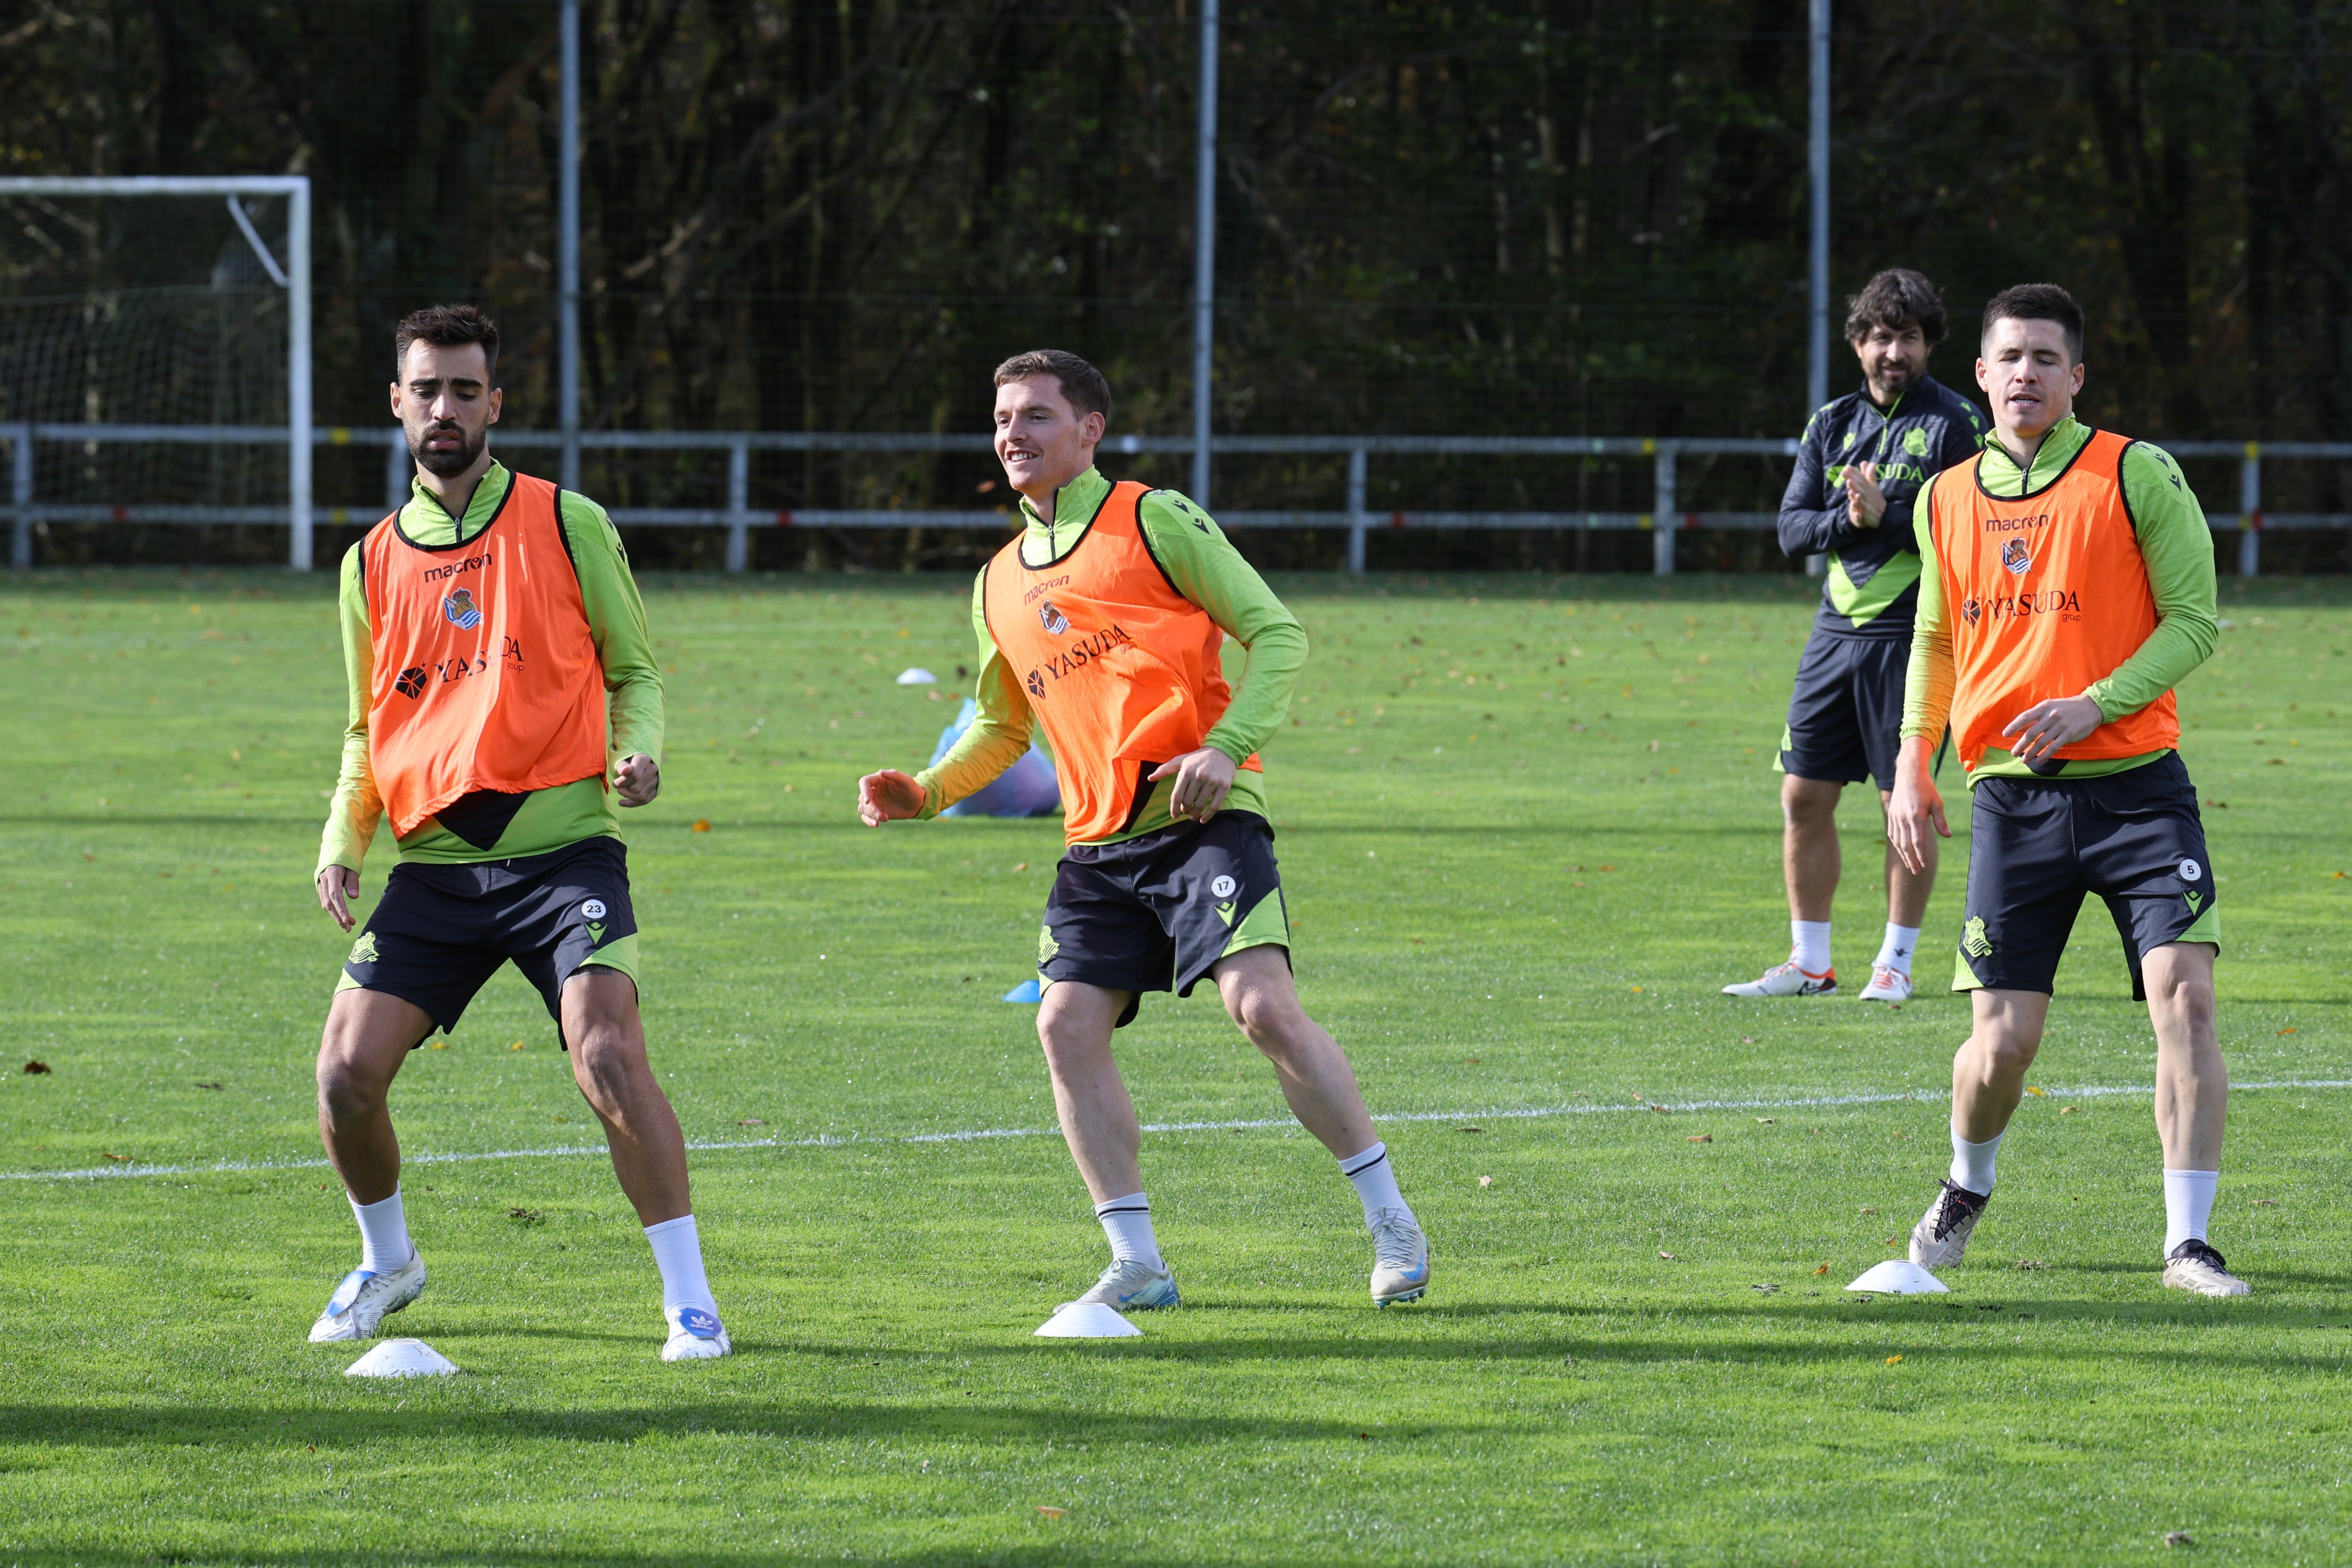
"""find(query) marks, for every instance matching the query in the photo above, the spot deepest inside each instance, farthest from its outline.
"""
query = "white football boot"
(1887, 983)
(1941, 1236)
(1787, 980)
(363, 1301)
(1133, 1286)
(695, 1335)
(1400, 1259)
(2196, 1267)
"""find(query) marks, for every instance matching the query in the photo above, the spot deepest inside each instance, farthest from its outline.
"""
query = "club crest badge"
(463, 612)
(2015, 558)
(1055, 621)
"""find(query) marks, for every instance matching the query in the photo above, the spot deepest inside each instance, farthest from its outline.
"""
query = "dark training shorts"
(439, 932)
(1845, 714)
(2038, 845)
(1156, 913)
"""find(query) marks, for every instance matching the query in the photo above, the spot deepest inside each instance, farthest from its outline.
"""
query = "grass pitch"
(1527, 828)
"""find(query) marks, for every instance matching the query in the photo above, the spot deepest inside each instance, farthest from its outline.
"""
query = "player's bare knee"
(347, 1090)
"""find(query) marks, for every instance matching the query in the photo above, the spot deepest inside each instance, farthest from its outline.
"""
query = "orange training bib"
(486, 674)
(2045, 595)
(1121, 670)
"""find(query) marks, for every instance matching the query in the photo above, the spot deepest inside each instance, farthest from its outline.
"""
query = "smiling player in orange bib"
(2068, 586)
(1104, 620)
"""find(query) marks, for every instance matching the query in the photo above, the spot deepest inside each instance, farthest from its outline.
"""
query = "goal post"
(294, 277)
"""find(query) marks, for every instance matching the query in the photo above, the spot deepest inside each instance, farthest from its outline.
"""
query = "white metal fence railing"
(739, 517)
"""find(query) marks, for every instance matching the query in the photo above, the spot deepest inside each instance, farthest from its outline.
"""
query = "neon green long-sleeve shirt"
(2174, 541)
(550, 818)
(1206, 569)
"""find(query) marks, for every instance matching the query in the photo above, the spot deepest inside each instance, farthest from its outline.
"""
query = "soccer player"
(2068, 588)
(1860, 469)
(1103, 619)
(498, 666)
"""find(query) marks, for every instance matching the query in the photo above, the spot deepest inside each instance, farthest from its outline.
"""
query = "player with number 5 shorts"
(1103, 620)
(2067, 588)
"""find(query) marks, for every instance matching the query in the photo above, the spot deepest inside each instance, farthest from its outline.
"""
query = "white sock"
(677, 1253)
(1809, 945)
(1127, 1222)
(1895, 949)
(1375, 1180)
(383, 1234)
(2188, 1205)
(1972, 1163)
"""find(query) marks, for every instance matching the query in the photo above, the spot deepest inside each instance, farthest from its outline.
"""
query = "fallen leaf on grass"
(2042, 1093)
(1892, 1359)
(1763, 1121)
(2288, 1030)
(1660, 1110)
(1052, 1512)
(120, 1159)
(527, 1216)
(2274, 762)
(751, 1121)
(1485, 1180)
(207, 1085)
(1670, 1257)
(516, 1046)
(1023, 865)
(1700, 1138)
(2029, 1263)
(2266, 1203)
(2177, 1538)
(701, 825)
(2068, 1109)
(36, 1067)
(1824, 1269)
(1894, 1241)
(1469, 1130)
(1870, 1211)
(440, 1044)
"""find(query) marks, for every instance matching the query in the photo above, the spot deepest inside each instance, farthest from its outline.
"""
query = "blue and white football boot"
(1133, 1286)
(1400, 1259)
(363, 1301)
(695, 1335)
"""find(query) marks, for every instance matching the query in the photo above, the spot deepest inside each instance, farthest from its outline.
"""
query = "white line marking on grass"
(979, 1134)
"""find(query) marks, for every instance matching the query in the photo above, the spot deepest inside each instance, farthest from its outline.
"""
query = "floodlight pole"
(567, 251)
(1204, 253)
(1817, 358)
(295, 189)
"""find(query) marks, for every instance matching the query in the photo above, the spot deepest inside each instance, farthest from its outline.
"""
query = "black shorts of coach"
(439, 932)
(1845, 711)
(2037, 847)
(1156, 912)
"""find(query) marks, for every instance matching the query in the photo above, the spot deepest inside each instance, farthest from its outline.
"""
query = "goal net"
(152, 308)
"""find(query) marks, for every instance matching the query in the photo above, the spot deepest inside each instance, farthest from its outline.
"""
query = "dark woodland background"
(1546, 216)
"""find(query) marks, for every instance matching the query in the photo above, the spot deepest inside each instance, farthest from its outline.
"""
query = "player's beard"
(448, 463)
(1886, 385)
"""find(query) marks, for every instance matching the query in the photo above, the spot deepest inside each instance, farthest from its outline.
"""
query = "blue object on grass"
(1028, 788)
(1026, 992)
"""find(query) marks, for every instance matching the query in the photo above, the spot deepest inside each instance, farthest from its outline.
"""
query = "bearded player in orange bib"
(2067, 587)
(503, 693)
(1103, 620)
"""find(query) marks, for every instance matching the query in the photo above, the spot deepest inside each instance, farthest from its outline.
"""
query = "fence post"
(1664, 513)
(1357, 459)
(396, 468)
(2250, 511)
(20, 496)
(739, 505)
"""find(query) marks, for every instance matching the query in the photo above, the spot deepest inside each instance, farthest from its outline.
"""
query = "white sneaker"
(1787, 980)
(1400, 1259)
(2196, 1267)
(1941, 1236)
(1887, 983)
(1133, 1286)
(363, 1301)
(695, 1335)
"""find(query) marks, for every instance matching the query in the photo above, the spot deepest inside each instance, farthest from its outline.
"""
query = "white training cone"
(402, 1358)
(1085, 1320)
(918, 676)
(1898, 1276)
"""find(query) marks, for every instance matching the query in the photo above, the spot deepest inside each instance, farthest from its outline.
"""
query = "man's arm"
(357, 807)
(1809, 523)
(1928, 684)
(2177, 546)
(999, 735)
(616, 621)
(1206, 569)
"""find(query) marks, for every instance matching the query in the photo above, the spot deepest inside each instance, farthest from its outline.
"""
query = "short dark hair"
(1893, 299)
(1081, 382)
(2039, 302)
(446, 326)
